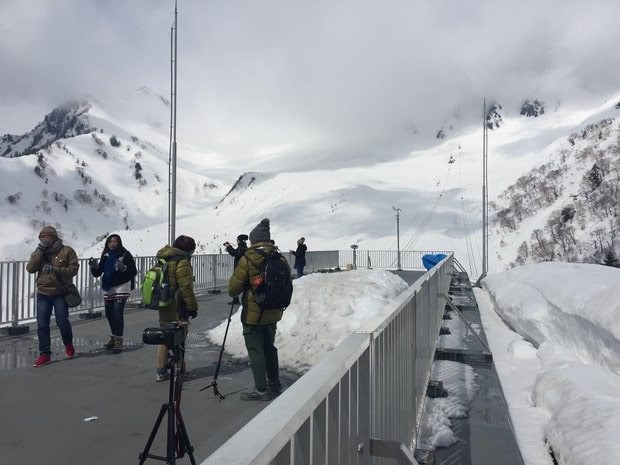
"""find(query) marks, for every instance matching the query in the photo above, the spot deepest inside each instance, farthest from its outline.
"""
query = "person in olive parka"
(259, 325)
(184, 305)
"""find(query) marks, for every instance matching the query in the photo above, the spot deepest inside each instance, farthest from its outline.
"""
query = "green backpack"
(157, 293)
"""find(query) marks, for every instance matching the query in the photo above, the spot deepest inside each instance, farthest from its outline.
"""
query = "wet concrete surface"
(100, 408)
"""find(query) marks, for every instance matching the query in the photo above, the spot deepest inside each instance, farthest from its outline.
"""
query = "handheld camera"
(168, 334)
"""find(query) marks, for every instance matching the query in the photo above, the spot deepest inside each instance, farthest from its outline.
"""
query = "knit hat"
(242, 237)
(261, 232)
(49, 230)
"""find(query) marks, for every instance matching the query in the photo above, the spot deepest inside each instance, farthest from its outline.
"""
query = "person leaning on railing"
(56, 265)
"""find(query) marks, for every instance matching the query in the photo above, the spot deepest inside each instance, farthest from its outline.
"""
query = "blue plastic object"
(430, 260)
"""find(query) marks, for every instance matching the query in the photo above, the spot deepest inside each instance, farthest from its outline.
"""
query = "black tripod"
(219, 361)
(177, 440)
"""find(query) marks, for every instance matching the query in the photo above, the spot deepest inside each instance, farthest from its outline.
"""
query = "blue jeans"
(299, 269)
(45, 303)
(114, 310)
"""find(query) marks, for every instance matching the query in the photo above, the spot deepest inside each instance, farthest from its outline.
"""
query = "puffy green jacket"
(182, 281)
(249, 269)
(59, 256)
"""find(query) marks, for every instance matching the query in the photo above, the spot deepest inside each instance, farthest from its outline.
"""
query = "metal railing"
(364, 402)
(384, 259)
(360, 404)
(18, 296)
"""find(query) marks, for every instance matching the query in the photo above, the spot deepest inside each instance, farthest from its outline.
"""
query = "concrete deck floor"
(44, 409)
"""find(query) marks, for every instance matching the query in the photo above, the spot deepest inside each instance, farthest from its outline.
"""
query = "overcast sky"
(281, 75)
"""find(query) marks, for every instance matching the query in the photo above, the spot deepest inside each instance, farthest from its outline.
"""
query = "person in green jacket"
(259, 325)
(184, 305)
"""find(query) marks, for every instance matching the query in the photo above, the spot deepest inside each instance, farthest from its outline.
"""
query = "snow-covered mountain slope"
(111, 177)
(438, 190)
(555, 210)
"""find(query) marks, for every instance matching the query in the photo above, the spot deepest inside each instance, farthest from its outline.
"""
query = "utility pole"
(172, 159)
(485, 194)
(397, 210)
(354, 265)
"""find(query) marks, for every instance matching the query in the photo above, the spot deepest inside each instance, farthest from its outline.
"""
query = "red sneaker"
(43, 359)
(69, 350)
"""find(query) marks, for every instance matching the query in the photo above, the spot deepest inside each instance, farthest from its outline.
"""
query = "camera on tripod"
(170, 335)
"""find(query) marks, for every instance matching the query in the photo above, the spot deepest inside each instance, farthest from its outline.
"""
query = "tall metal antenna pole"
(485, 194)
(172, 165)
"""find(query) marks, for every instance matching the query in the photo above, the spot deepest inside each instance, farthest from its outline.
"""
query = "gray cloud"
(291, 76)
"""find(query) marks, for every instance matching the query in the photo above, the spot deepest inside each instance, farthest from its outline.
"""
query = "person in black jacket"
(300, 256)
(237, 254)
(117, 270)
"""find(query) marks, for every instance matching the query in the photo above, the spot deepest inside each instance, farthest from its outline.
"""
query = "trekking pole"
(219, 361)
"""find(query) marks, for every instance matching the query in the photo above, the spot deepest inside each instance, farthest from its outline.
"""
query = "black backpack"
(276, 286)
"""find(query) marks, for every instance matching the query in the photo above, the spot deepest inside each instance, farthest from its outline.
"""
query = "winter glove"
(94, 264)
(119, 265)
(183, 314)
(41, 248)
(192, 314)
(49, 269)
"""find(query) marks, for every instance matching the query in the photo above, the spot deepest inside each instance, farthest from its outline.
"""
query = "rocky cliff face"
(533, 108)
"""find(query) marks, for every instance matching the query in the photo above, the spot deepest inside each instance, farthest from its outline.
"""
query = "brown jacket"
(59, 256)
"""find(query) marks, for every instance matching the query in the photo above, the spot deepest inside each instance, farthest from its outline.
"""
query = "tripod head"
(175, 355)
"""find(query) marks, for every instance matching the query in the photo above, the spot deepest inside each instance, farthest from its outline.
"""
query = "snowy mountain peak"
(533, 108)
(65, 121)
(494, 116)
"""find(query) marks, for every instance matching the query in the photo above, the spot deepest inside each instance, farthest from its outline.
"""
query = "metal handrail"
(18, 295)
(212, 271)
(365, 398)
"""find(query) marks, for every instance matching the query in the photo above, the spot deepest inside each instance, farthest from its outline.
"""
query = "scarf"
(54, 248)
(108, 269)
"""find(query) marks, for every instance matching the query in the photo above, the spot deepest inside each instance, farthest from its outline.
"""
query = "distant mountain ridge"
(63, 122)
(90, 173)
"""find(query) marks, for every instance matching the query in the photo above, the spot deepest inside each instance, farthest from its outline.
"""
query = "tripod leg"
(145, 454)
(185, 445)
(170, 446)
(219, 360)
